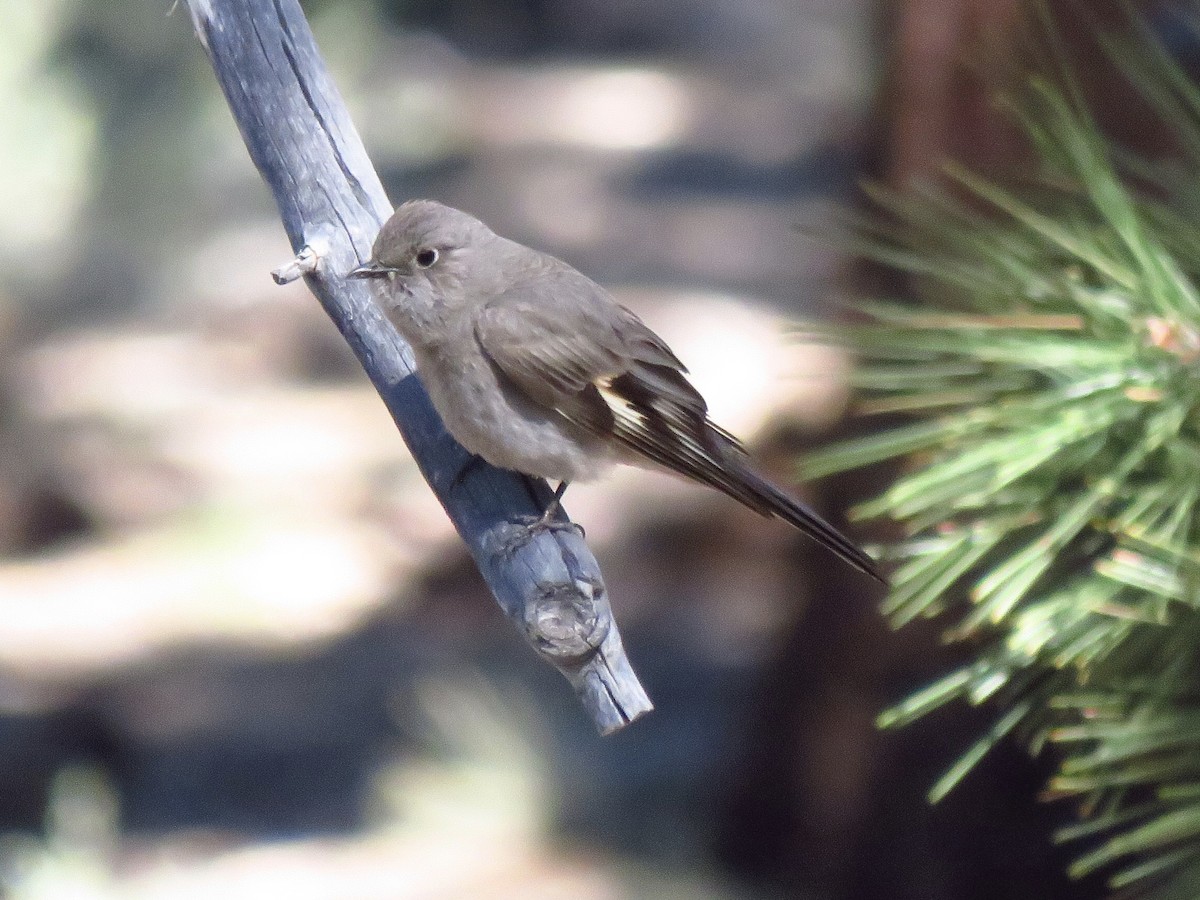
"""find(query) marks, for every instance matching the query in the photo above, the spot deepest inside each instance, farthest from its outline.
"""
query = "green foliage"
(1049, 434)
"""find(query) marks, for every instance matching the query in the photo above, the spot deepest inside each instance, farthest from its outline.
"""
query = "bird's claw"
(529, 527)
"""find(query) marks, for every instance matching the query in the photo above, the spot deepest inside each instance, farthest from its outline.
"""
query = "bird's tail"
(654, 411)
(764, 497)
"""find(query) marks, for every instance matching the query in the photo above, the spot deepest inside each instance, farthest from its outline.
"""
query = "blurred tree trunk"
(949, 59)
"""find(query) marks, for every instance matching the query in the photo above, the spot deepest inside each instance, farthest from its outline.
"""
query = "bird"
(535, 368)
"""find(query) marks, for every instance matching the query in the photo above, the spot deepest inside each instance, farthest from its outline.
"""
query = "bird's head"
(419, 261)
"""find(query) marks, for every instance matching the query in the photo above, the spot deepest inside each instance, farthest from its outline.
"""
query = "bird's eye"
(427, 257)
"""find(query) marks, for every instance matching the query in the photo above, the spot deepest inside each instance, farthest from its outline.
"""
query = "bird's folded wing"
(594, 362)
(551, 349)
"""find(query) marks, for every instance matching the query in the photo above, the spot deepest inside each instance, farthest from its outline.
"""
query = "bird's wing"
(568, 346)
(550, 349)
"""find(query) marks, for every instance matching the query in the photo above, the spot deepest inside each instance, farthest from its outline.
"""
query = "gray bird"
(535, 368)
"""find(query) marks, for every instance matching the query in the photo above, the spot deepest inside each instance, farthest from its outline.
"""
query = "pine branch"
(1050, 489)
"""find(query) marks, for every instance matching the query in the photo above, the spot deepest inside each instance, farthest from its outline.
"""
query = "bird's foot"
(526, 528)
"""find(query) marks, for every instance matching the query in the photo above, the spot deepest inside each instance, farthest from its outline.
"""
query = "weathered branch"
(300, 137)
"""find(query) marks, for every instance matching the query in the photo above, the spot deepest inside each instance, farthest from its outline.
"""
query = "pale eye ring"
(426, 257)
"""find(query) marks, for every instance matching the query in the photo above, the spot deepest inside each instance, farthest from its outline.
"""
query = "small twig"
(304, 263)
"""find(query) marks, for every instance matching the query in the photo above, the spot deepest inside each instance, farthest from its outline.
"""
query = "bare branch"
(300, 136)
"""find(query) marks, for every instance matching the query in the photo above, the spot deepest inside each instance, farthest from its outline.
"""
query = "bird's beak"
(370, 269)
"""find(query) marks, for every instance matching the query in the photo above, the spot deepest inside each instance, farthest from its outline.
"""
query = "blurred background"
(241, 649)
